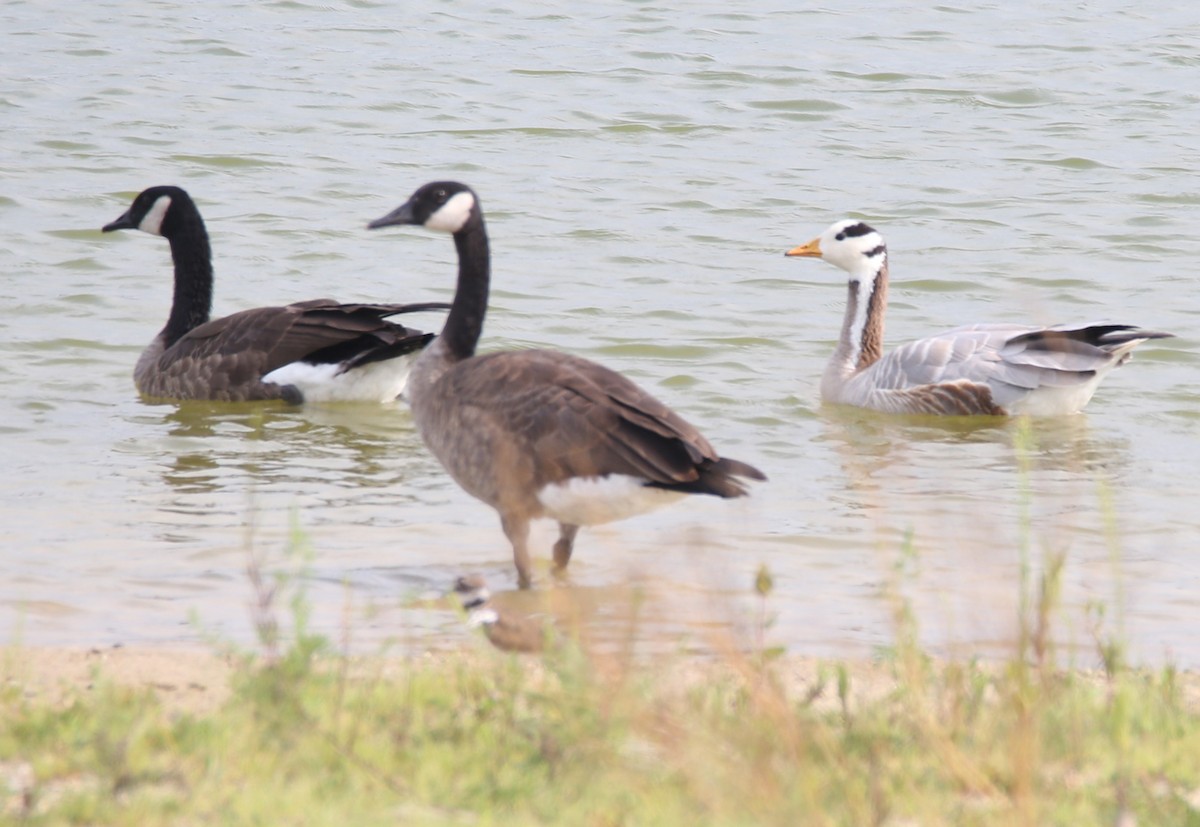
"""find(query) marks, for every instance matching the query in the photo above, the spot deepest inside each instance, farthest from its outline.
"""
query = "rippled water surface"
(643, 168)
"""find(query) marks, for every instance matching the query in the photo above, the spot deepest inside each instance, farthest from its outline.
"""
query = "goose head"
(446, 206)
(849, 244)
(151, 211)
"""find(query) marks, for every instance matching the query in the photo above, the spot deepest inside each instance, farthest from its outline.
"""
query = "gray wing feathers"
(1020, 356)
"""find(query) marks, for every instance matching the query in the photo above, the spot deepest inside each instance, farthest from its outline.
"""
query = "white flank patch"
(595, 500)
(152, 221)
(374, 382)
(453, 214)
(1053, 401)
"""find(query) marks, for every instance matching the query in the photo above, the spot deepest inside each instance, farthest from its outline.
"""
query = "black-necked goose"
(989, 369)
(541, 433)
(312, 351)
(505, 630)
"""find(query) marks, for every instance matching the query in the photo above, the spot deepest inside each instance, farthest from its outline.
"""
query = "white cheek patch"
(152, 221)
(452, 215)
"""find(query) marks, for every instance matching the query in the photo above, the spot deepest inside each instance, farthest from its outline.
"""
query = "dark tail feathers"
(722, 478)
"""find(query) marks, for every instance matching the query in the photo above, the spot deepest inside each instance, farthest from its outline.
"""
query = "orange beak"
(810, 250)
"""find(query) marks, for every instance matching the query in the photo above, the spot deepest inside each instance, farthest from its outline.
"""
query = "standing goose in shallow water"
(990, 369)
(541, 433)
(312, 351)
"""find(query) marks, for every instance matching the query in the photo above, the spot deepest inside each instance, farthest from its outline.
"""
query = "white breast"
(481, 617)
(595, 500)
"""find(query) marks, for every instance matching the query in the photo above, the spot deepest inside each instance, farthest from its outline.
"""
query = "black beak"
(125, 222)
(401, 215)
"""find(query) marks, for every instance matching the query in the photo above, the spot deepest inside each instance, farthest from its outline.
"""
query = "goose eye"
(840, 236)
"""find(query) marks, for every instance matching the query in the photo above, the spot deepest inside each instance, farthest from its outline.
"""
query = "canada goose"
(993, 369)
(505, 630)
(541, 433)
(312, 351)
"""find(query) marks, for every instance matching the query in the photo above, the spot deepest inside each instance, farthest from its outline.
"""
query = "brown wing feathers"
(226, 358)
(267, 338)
(351, 334)
(581, 420)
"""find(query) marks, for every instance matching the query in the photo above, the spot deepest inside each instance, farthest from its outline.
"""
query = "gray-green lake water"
(643, 168)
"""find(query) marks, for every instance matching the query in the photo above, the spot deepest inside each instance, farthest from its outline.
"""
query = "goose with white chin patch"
(312, 351)
(983, 369)
(542, 433)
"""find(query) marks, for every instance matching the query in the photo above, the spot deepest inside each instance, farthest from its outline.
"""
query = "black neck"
(192, 255)
(465, 322)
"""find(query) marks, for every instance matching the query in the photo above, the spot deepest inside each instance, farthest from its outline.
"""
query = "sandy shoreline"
(197, 681)
(184, 678)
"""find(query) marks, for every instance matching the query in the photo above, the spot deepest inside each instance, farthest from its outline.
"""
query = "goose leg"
(564, 546)
(517, 531)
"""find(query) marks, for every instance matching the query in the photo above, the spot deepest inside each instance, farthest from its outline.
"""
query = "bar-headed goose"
(991, 369)
(541, 433)
(313, 351)
(506, 630)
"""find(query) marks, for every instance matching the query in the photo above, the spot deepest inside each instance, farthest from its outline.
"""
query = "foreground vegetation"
(307, 737)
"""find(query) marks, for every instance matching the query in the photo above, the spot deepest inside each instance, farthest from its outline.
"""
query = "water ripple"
(644, 168)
